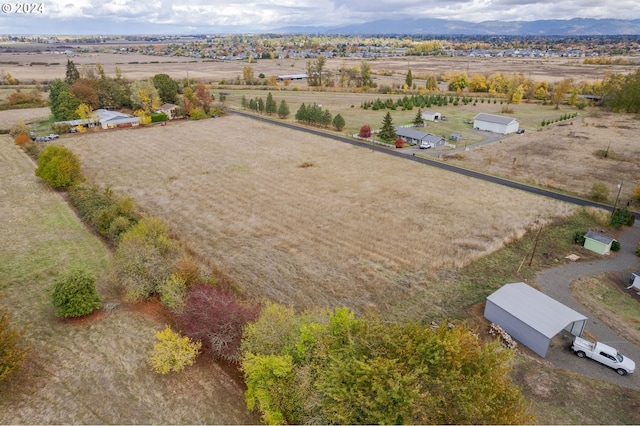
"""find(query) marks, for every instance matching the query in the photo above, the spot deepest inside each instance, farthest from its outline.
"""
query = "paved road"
(434, 163)
(555, 283)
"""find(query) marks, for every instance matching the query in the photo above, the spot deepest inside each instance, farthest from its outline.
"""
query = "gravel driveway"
(555, 283)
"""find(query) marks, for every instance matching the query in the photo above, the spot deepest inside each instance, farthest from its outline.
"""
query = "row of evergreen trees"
(314, 114)
(420, 101)
(563, 117)
(269, 107)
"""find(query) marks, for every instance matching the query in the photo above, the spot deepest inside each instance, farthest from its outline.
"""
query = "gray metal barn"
(495, 123)
(532, 317)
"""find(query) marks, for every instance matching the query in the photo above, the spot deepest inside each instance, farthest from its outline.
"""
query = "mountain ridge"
(433, 26)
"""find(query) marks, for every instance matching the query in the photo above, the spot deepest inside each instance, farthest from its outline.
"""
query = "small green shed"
(598, 243)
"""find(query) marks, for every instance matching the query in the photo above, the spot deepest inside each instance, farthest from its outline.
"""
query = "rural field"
(29, 67)
(563, 156)
(307, 221)
(95, 371)
(293, 218)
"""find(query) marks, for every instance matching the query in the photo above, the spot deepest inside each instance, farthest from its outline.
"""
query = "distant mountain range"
(552, 27)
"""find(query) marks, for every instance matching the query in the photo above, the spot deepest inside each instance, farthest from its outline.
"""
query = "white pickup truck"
(603, 354)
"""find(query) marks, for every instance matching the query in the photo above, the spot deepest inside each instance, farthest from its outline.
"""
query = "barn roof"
(539, 311)
(492, 118)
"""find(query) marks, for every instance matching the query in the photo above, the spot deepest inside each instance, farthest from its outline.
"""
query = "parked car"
(42, 139)
(53, 136)
(520, 131)
(603, 354)
(425, 145)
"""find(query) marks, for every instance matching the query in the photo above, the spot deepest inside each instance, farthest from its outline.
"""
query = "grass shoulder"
(607, 298)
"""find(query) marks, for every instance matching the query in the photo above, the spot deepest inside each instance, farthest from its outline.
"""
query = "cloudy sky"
(67, 17)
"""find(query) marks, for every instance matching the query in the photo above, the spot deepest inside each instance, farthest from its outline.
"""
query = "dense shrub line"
(102, 210)
(148, 262)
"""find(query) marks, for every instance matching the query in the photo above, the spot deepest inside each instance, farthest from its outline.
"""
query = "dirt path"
(555, 283)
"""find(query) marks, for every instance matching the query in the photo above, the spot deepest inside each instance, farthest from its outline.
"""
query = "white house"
(495, 123)
(431, 116)
(171, 110)
(422, 139)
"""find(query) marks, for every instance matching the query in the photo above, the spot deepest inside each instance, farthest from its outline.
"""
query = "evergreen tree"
(387, 133)
(270, 106)
(338, 122)
(301, 114)
(325, 118)
(283, 109)
(260, 105)
(418, 120)
(409, 79)
(72, 73)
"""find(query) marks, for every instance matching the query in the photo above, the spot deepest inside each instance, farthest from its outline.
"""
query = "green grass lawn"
(349, 106)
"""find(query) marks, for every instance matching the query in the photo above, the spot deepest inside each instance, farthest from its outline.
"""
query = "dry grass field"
(355, 228)
(564, 156)
(10, 117)
(28, 67)
(91, 372)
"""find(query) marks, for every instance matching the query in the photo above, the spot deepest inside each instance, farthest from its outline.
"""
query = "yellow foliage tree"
(517, 94)
(85, 112)
(172, 352)
(145, 95)
(144, 117)
(498, 83)
(10, 80)
(478, 83)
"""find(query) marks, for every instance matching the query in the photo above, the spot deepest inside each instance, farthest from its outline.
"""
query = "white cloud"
(136, 16)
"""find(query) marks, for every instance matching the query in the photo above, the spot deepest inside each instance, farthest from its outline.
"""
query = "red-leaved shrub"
(365, 131)
(215, 317)
(399, 143)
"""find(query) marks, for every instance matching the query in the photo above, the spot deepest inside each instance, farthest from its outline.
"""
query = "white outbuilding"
(531, 317)
(495, 123)
(431, 115)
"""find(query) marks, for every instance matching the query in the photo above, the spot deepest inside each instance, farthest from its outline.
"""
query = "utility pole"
(617, 198)
(535, 246)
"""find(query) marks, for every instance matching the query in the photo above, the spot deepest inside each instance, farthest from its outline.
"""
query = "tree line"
(77, 95)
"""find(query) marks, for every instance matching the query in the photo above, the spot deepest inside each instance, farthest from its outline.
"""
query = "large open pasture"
(29, 67)
(307, 221)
